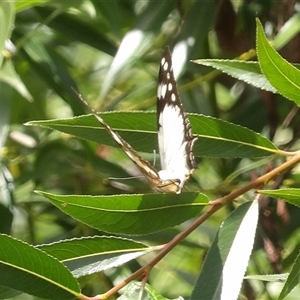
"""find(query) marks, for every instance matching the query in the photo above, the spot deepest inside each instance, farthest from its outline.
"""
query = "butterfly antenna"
(125, 178)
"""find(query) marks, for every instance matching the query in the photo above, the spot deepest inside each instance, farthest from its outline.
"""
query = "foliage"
(58, 243)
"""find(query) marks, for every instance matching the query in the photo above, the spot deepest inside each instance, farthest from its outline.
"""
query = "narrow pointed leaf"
(288, 31)
(247, 71)
(269, 277)
(9, 75)
(38, 273)
(292, 280)
(89, 255)
(131, 214)
(217, 138)
(137, 128)
(281, 74)
(7, 15)
(239, 254)
(289, 195)
(22, 5)
(227, 258)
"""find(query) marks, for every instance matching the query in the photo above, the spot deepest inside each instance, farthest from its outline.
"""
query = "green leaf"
(281, 74)
(22, 5)
(131, 214)
(247, 71)
(269, 277)
(227, 258)
(288, 31)
(38, 273)
(289, 195)
(292, 280)
(89, 255)
(126, 123)
(217, 138)
(6, 293)
(7, 15)
(9, 75)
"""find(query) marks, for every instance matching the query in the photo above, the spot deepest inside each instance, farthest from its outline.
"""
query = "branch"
(215, 206)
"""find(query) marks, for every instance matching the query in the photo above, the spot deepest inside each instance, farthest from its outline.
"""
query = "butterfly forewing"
(175, 138)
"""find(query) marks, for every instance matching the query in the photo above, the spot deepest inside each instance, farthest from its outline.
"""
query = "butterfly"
(175, 138)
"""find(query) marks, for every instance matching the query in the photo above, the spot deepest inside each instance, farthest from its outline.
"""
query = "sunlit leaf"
(228, 256)
(247, 71)
(88, 255)
(288, 31)
(281, 74)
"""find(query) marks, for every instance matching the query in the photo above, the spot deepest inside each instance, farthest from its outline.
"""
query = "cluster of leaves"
(90, 233)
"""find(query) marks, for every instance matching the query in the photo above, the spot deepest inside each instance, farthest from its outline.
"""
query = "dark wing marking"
(175, 137)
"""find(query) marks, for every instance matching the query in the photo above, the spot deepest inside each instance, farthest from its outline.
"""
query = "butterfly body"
(175, 137)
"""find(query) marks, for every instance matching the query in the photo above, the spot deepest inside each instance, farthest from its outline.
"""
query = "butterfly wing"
(175, 137)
